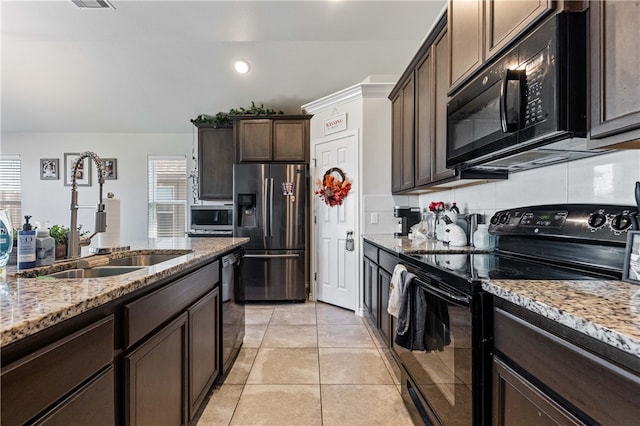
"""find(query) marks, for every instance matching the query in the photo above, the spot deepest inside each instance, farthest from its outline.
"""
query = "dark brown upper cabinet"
(215, 163)
(402, 137)
(479, 29)
(419, 123)
(281, 138)
(615, 73)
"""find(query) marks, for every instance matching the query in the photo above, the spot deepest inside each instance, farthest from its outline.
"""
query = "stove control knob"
(596, 220)
(620, 223)
(504, 218)
(494, 219)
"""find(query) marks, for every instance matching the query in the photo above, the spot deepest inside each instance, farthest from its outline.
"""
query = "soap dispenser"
(45, 247)
(26, 245)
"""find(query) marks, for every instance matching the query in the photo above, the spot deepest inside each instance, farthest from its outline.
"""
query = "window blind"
(167, 184)
(10, 187)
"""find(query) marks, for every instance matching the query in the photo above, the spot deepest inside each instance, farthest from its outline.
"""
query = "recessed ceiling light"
(241, 66)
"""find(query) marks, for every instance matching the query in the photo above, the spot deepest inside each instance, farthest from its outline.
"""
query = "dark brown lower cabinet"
(540, 378)
(93, 404)
(156, 378)
(384, 282)
(203, 348)
(370, 299)
(34, 383)
(519, 403)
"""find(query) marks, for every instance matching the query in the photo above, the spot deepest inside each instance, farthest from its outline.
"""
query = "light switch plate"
(374, 217)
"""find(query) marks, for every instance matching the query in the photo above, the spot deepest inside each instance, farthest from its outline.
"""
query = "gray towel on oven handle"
(404, 315)
(395, 295)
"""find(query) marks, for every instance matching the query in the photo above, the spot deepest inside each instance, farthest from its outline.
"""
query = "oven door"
(438, 376)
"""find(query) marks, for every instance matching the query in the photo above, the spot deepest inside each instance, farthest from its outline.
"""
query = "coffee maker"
(409, 216)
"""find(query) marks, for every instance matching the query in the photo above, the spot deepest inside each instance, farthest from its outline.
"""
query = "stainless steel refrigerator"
(271, 208)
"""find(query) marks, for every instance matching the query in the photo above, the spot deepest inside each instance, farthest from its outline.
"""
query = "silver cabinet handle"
(270, 256)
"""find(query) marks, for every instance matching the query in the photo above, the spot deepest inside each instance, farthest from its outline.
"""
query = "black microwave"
(531, 97)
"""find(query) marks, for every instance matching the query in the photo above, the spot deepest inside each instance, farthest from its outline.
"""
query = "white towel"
(395, 294)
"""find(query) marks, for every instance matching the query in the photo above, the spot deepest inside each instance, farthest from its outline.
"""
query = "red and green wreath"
(334, 187)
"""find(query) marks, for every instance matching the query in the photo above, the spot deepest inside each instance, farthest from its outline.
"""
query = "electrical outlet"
(374, 217)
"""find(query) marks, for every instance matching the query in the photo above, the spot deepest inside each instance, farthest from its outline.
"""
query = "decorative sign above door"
(335, 124)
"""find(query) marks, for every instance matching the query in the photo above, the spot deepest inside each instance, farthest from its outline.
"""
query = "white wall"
(604, 179)
(49, 200)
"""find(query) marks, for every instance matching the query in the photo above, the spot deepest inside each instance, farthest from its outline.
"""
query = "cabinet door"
(441, 71)
(407, 134)
(369, 287)
(465, 33)
(254, 140)
(384, 283)
(215, 164)
(504, 20)
(203, 347)
(156, 378)
(396, 143)
(424, 115)
(615, 67)
(290, 140)
(516, 402)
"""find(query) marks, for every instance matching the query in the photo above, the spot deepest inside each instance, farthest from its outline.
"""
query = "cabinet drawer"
(93, 404)
(149, 312)
(570, 371)
(371, 251)
(33, 383)
(387, 261)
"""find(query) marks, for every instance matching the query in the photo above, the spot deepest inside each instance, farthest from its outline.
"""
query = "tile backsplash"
(607, 179)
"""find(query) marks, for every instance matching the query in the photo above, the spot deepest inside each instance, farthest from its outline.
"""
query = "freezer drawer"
(272, 275)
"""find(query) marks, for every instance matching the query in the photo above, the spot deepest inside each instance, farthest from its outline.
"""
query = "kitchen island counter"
(29, 305)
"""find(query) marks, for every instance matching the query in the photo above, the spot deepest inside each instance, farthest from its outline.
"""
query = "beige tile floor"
(308, 364)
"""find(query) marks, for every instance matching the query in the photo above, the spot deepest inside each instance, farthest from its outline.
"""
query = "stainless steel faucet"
(74, 242)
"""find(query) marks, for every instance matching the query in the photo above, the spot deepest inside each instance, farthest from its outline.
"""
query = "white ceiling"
(151, 66)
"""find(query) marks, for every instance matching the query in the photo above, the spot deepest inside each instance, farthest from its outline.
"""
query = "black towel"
(423, 323)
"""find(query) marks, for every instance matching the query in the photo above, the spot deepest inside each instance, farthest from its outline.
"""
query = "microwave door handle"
(510, 75)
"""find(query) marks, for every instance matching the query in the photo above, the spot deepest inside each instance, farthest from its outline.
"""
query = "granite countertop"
(406, 245)
(606, 310)
(28, 305)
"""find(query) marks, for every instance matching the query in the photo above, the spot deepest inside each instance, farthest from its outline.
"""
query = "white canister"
(481, 238)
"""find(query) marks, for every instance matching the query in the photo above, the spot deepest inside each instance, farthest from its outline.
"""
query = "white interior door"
(337, 268)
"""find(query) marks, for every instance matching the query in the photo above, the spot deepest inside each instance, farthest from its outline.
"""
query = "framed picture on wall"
(631, 269)
(83, 173)
(49, 169)
(110, 168)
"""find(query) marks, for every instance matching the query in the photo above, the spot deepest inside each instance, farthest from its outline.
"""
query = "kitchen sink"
(142, 259)
(98, 272)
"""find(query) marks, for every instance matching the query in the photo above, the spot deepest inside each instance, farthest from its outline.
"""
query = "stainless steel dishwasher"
(232, 311)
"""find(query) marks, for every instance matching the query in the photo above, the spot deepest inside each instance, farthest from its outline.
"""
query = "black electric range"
(548, 242)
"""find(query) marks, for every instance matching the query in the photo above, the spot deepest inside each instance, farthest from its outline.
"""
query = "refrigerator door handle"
(265, 231)
(271, 256)
(271, 208)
